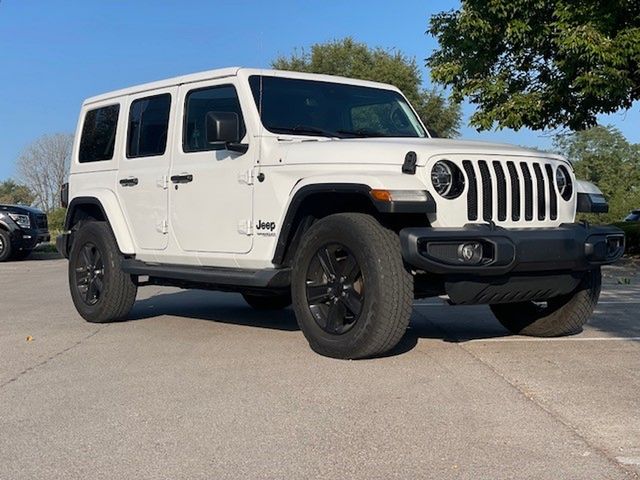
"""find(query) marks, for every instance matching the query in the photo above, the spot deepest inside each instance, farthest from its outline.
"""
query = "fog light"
(470, 252)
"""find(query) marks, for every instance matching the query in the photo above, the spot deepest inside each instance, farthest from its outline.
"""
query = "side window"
(99, 134)
(148, 125)
(198, 103)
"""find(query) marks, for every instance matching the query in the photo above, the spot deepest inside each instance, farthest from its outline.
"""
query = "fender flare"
(108, 204)
(302, 192)
(6, 223)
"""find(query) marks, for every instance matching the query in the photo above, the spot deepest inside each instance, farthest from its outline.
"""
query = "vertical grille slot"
(553, 198)
(502, 191)
(515, 191)
(541, 194)
(472, 191)
(528, 192)
(487, 191)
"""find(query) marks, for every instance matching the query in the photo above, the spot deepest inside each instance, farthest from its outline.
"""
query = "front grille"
(510, 190)
(41, 221)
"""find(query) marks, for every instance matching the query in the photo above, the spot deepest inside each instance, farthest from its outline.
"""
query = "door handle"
(129, 182)
(184, 178)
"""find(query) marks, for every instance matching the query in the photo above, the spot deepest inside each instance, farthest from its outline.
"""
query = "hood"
(393, 150)
(23, 209)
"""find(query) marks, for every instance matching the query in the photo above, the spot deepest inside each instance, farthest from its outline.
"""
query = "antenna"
(261, 127)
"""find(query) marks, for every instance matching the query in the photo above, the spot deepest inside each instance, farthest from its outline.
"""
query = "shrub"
(56, 220)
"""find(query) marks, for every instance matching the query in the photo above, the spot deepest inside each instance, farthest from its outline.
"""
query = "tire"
(351, 293)
(564, 315)
(5, 246)
(268, 301)
(100, 290)
(21, 254)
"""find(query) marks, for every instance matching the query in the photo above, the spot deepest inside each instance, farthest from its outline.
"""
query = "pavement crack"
(52, 357)
(446, 336)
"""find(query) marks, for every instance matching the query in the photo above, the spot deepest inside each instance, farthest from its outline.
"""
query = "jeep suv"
(328, 193)
(21, 230)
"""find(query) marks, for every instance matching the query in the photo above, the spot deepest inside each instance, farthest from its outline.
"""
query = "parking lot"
(197, 385)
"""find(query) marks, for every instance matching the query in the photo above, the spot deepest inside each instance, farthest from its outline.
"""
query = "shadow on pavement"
(215, 307)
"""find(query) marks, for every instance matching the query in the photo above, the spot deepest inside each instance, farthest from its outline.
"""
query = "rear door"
(211, 194)
(142, 180)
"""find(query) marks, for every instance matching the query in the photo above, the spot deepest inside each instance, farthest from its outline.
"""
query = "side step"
(212, 276)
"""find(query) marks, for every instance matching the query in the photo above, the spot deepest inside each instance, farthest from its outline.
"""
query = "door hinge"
(163, 227)
(245, 227)
(163, 182)
(246, 177)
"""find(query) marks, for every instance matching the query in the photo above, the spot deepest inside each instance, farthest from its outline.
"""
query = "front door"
(210, 193)
(142, 177)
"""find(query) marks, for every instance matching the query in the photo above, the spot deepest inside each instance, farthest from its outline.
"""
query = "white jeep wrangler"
(328, 193)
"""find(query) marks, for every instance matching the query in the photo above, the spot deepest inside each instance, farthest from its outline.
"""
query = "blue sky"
(55, 53)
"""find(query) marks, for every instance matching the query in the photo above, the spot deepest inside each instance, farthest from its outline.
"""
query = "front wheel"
(5, 246)
(100, 290)
(559, 316)
(351, 293)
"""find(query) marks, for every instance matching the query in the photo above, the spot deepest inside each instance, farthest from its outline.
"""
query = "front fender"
(589, 198)
(107, 201)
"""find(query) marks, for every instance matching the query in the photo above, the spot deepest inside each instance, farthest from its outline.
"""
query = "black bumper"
(514, 264)
(28, 239)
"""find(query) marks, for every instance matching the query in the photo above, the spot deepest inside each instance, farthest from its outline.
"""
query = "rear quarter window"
(99, 134)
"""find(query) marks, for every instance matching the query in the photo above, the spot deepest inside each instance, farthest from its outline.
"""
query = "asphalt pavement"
(199, 386)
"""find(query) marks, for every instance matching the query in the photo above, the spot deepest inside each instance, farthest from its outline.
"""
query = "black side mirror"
(223, 131)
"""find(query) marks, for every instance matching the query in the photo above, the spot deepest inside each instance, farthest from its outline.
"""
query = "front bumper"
(514, 264)
(28, 239)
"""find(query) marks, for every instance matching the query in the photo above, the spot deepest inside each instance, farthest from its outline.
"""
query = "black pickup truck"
(21, 229)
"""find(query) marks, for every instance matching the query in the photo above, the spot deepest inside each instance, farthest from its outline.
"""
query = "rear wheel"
(564, 315)
(268, 301)
(100, 290)
(5, 246)
(351, 293)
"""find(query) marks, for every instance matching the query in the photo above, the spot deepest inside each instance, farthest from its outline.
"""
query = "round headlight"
(563, 182)
(447, 179)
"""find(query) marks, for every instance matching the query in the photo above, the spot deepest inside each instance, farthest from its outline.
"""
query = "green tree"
(14, 193)
(603, 155)
(349, 58)
(539, 63)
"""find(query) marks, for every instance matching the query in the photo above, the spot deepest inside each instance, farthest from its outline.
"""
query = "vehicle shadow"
(438, 322)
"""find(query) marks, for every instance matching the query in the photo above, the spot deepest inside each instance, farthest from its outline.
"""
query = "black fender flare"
(353, 188)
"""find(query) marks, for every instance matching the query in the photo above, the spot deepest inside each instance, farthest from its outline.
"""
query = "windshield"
(309, 107)
(633, 217)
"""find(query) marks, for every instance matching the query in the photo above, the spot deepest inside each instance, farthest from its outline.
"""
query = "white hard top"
(230, 72)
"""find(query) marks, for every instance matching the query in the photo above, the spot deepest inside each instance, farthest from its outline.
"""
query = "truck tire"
(564, 315)
(100, 290)
(5, 246)
(351, 292)
(268, 301)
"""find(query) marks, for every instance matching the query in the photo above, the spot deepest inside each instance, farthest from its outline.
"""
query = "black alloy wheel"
(335, 289)
(90, 274)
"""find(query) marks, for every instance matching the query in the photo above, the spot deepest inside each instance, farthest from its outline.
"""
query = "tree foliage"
(14, 193)
(603, 155)
(539, 63)
(43, 167)
(349, 58)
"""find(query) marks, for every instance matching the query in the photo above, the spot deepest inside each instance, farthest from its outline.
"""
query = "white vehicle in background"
(327, 193)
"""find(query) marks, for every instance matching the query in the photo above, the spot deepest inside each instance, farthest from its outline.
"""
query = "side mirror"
(223, 131)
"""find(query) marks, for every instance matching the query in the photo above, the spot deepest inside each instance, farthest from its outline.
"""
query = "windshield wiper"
(306, 129)
(362, 133)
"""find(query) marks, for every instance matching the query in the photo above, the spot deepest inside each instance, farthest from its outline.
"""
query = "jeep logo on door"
(266, 228)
